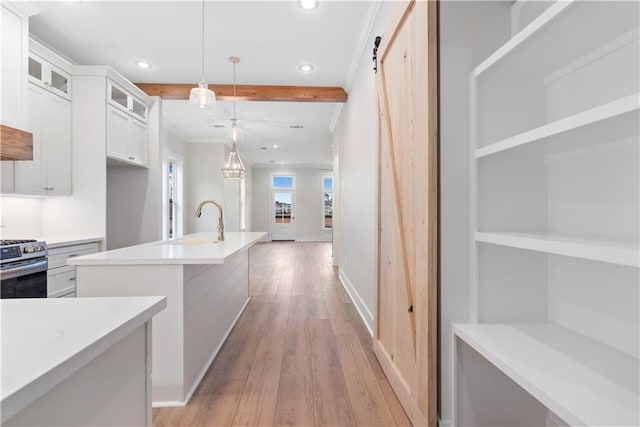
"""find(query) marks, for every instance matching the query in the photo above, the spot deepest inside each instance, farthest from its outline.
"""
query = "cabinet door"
(59, 82)
(117, 97)
(29, 178)
(57, 125)
(138, 142)
(117, 133)
(138, 109)
(13, 76)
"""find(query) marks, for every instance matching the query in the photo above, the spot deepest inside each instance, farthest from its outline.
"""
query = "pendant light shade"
(202, 97)
(233, 167)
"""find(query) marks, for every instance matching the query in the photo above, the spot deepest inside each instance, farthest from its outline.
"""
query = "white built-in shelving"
(555, 178)
(581, 381)
(607, 119)
(623, 252)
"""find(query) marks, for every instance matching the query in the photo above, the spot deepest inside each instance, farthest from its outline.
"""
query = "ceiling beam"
(250, 92)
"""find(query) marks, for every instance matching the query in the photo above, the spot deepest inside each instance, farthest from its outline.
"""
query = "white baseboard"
(445, 423)
(364, 312)
(168, 404)
(314, 239)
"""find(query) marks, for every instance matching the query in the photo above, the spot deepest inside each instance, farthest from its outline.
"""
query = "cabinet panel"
(50, 122)
(138, 142)
(29, 176)
(14, 30)
(117, 133)
(58, 145)
(61, 281)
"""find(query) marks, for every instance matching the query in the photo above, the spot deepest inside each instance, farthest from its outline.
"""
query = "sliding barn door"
(406, 327)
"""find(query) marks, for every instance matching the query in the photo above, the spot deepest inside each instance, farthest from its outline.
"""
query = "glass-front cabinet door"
(48, 76)
(118, 97)
(139, 109)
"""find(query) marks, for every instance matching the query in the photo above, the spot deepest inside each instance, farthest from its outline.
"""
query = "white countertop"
(197, 248)
(44, 341)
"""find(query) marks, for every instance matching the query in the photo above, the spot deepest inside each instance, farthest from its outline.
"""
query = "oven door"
(24, 280)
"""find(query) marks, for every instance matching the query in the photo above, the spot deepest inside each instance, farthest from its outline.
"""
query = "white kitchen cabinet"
(555, 167)
(50, 122)
(15, 48)
(126, 127)
(61, 278)
(48, 76)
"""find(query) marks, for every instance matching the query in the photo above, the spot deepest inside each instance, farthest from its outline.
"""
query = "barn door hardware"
(376, 44)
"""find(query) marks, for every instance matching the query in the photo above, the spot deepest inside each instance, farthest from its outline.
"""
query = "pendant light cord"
(234, 92)
(202, 40)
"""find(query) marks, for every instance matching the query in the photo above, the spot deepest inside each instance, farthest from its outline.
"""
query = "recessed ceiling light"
(275, 146)
(282, 163)
(308, 4)
(143, 64)
(306, 68)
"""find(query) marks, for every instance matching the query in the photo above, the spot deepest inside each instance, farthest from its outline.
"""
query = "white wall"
(357, 140)
(21, 217)
(204, 181)
(469, 32)
(308, 202)
(134, 195)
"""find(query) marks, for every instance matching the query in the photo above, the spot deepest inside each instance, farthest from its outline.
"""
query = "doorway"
(283, 226)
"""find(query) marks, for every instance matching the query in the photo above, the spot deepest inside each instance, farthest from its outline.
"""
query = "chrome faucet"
(220, 221)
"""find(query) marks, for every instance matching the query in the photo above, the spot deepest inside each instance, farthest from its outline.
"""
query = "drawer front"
(61, 283)
(58, 256)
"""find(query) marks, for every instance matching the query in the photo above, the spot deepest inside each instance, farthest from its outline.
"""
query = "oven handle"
(23, 270)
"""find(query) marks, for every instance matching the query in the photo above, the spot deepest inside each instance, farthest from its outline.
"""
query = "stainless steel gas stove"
(23, 268)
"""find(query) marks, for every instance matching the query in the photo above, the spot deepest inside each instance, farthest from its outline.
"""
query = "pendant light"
(233, 167)
(202, 97)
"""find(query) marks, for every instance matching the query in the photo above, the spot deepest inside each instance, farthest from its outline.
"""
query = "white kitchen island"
(70, 362)
(207, 287)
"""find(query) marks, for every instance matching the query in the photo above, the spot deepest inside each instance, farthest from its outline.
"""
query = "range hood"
(15, 144)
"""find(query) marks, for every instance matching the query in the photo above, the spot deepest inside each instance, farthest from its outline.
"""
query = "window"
(282, 181)
(171, 197)
(327, 192)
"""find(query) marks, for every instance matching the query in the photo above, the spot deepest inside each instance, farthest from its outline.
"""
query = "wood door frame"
(431, 293)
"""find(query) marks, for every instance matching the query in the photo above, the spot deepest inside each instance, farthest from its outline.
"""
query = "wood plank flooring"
(298, 356)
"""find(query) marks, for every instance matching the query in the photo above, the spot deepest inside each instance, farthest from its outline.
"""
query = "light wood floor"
(299, 354)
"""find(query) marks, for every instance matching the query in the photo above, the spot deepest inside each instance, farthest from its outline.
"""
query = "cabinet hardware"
(72, 255)
(411, 308)
(71, 279)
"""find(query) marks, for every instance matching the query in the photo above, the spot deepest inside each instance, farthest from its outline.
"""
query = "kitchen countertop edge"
(20, 397)
(160, 253)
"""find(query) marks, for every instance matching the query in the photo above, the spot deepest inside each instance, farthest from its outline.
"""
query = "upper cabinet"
(49, 120)
(15, 47)
(126, 126)
(48, 76)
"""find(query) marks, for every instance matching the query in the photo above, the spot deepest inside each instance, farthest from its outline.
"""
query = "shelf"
(623, 252)
(606, 112)
(581, 381)
(540, 22)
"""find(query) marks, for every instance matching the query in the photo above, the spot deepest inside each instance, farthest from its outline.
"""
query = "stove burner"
(16, 242)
